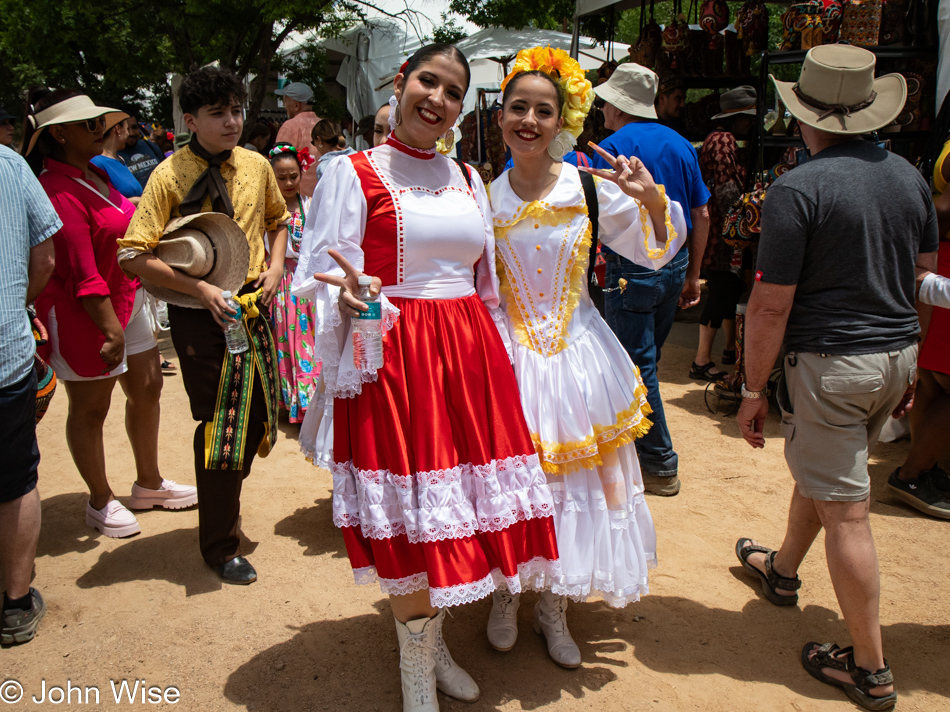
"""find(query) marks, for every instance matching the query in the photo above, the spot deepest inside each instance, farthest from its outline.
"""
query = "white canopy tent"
(373, 53)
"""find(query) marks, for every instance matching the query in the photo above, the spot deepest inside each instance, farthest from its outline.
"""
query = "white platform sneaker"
(550, 619)
(171, 496)
(451, 679)
(503, 620)
(417, 646)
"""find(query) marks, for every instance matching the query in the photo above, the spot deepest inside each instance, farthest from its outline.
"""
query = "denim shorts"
(21, 454)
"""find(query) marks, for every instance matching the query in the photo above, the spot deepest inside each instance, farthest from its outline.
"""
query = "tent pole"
(575, 33)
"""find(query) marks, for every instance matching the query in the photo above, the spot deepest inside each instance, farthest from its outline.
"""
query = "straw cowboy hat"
(72, 110)
(837, 91)
(632, 89)
(207, 246)
(740, 100)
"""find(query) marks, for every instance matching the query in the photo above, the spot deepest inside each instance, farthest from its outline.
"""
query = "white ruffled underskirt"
(453, 503)
(576, 395)
(315, 439)
(534, 575)
(606, 549)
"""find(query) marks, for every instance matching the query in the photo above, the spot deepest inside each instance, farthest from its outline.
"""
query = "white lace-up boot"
(417, 646)
(451, 679)
(550, 618)
(503, 620)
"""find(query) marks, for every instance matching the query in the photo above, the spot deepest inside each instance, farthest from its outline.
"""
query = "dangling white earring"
(393, 108)
(561, 145)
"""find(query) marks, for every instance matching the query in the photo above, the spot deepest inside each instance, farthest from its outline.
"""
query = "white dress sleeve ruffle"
(622, 223)
(336, 221)
(935, 290)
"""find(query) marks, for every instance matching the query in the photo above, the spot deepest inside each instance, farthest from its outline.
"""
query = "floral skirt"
(435, 480)
(293, 329)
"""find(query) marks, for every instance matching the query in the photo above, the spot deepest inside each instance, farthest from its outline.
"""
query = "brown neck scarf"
(211, 182)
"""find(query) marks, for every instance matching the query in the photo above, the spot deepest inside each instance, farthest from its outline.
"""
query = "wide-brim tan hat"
(837, 92)
(738, 101)
(207, 246)
(68, 111)
(632, 89)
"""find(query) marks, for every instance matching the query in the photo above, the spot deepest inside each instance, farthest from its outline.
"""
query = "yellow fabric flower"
(564, 69)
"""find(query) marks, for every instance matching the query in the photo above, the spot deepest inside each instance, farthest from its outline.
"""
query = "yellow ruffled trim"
(543, 213)
(563, 458)
(657, 253)
(532, 336)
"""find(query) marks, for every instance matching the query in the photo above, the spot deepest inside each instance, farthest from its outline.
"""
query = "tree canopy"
(122, 52)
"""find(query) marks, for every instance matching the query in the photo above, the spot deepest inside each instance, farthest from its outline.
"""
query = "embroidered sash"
(225, 435)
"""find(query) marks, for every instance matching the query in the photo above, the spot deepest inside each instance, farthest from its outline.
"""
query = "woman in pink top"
(99, 332)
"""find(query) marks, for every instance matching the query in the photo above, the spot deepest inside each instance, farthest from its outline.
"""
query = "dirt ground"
(304, 637)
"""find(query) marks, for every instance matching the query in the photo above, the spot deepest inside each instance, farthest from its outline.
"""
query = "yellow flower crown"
(564, 69)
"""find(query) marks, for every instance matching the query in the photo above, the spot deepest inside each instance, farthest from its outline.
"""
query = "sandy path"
(305, 638)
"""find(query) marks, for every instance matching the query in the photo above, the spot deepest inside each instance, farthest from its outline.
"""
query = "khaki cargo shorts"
(833, 410)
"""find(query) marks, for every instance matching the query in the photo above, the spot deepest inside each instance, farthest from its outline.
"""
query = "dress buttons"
(541, 294)
(536, 226)
(537, 247)
(539, 270)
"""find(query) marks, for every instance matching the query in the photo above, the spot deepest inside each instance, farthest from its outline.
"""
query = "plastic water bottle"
(368, 330)
(235, 335)
(161, 309)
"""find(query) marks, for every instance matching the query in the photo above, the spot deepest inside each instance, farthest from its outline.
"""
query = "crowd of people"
(445, 488)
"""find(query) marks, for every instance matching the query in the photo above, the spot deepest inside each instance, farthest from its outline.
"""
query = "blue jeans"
(641, 316)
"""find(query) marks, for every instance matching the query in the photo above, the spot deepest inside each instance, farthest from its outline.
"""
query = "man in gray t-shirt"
(843, 237)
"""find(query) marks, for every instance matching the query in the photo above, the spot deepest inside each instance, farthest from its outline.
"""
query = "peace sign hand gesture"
(348, 284)
(632, 177)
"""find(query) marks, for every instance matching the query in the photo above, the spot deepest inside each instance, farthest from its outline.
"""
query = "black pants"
(200, 345)
(725, 290)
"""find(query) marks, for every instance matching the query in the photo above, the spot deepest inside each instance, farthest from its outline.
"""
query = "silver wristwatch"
(752, 394)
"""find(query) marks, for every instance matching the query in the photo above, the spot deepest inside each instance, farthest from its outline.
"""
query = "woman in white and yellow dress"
(583, 398)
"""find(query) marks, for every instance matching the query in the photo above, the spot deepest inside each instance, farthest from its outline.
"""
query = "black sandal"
(770, 580)
(728, 358)
(706, 373)
(858, 690)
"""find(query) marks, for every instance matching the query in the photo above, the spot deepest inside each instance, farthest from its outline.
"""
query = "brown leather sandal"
(770, 580)
(858, 690)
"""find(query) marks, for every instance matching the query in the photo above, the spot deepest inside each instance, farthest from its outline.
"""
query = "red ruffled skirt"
(935, 351)
(435, 479)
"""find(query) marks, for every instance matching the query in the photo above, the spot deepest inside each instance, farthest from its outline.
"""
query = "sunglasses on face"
(94, 125)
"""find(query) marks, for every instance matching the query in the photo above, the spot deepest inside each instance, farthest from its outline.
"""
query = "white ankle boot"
(449, 677)
(503, 620)
(550, 618)
(417, 646)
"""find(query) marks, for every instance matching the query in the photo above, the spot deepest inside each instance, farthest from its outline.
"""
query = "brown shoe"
(662, 486)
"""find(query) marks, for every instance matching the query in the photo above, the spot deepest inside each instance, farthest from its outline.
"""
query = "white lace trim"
(534, 575)
(437, 505)
(604, 589)
(333, 342)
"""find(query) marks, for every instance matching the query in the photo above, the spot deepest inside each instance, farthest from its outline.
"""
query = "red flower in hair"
(305, 159)
(402, 69)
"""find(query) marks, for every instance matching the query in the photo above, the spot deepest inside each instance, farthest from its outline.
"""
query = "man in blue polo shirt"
(641, 302)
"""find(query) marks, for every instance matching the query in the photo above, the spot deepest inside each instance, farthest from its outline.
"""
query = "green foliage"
(122, 52)
(449, 31)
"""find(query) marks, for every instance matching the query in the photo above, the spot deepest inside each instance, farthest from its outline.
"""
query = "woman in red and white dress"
(436, 484)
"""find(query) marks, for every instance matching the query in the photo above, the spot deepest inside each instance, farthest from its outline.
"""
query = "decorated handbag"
(714, 18)
(802, 26)
(893, 22)
(861, 24)
(743, 223)
(831, 16)
(752, 25)
(675, 37)
(45, 376)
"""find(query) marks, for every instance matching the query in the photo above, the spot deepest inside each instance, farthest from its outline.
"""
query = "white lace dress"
(582, 396)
